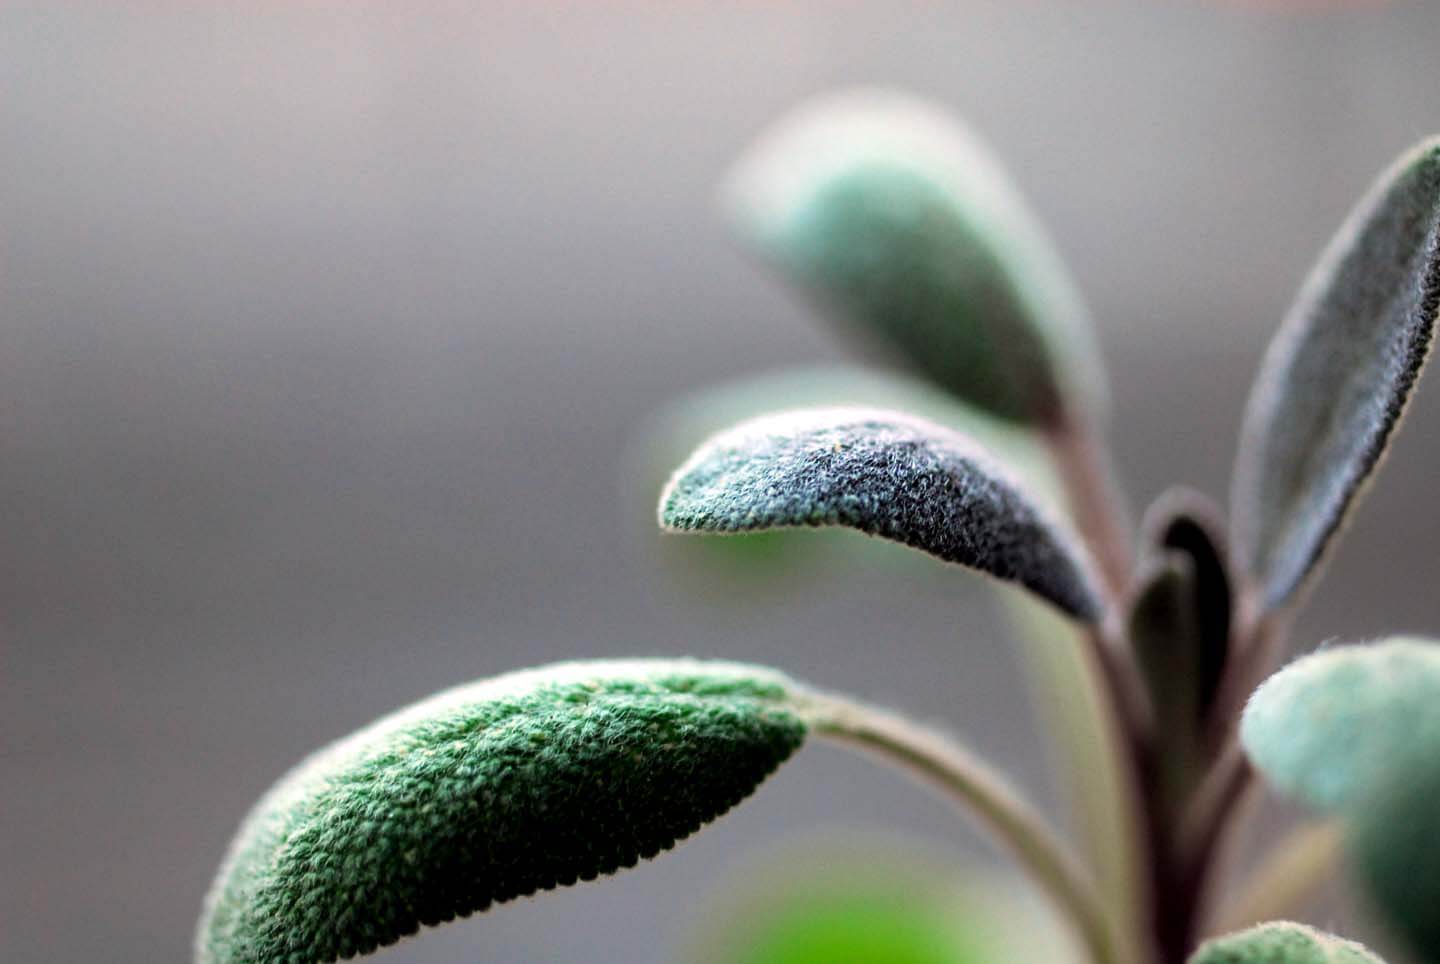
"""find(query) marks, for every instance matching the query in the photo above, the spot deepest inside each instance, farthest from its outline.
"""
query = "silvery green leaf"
(1394, 847)
(1281, 942)
(885, 474)
(489, 792)
(901, 222)
(1332, 727)
(1338, 376)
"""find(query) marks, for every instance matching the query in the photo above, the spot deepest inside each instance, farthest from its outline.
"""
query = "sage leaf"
(886, 474)
(901, 223)
(1394, 847)
(1338, 376)
(489, 792)
(1334, 726)
(1281, 942)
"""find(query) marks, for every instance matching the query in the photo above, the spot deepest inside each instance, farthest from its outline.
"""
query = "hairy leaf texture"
(1338, 376)
(489, 792)
(1281, 942)
(888, 475)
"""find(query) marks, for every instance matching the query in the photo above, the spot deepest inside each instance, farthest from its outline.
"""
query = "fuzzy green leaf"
(1338, 376)
(1281, 942)
(900, 221)
(1331, 727)
(489, 792)
(888, 475)
(1394, 846)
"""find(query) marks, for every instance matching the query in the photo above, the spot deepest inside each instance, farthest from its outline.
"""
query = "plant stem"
(1080, 456)
(942, 763)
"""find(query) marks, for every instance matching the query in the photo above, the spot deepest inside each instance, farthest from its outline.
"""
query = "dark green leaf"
(1166, 636)
(1334, 726)
(488, 792)
(902, 222)
(1281, 942)
(888, 475)
(1186, 523)
(1338, 376)
(1394, 845)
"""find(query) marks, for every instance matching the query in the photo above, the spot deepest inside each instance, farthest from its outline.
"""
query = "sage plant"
(898, 223)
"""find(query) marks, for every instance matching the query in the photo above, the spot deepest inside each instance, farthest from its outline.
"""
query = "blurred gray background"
(327, 333)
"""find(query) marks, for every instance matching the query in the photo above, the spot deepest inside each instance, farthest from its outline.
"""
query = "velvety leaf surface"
(1333, 726)
(775, 561)
(1282, 942)
(901, 221)
(1338, 376)
(488, 792)
(886, 474)
(1394, 845)
(1165, 632)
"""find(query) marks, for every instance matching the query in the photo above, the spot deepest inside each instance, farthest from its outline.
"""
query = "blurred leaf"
(900, 220)
(888, 475)
(1185, 522)
(1338, 376)
(1281, 942)
(1167, 641)
(488, 792)
(1332, 727)
(869, 900)
(1394, 846)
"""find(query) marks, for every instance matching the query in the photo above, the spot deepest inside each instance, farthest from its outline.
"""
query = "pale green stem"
(1285, 878)
(939, 761)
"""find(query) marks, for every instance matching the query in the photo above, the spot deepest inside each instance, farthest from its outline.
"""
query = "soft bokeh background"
(327, 331)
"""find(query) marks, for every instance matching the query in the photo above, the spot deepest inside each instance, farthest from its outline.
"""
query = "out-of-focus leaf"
(1281, 942)
(1185, 522)
(889, 475)
(1166, 637)
(901, 221)
(1333, 727)
(1394, 847)
(873, 900)
(1338, 376)
(488, 792)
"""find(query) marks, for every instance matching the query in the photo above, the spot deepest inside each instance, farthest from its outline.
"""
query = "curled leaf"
(888, 475)
(1186, 523)
(901, 221)
(488, 792)
(1281, 942)
(1333, 727)
(1338, 376)
(1394, 847)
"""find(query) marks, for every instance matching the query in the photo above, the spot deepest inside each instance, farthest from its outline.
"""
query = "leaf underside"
(1334, 727)
(489, 792)
(1281, 942)
(902, 223)
(888, 475)
(1338, 376)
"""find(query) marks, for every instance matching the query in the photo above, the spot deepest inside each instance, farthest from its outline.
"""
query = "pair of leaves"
(902, 222)
(489, 792)
(1355, 731)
